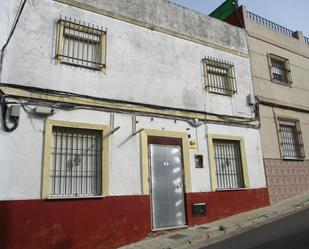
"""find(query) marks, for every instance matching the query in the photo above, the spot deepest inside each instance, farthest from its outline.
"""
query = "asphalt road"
(291, 232)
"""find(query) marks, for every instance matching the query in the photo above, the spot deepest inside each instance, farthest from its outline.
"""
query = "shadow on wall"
(63, 244)
(4, 225)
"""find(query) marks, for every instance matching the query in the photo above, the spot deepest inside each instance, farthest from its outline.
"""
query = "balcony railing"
(269, 24)
(272, 25)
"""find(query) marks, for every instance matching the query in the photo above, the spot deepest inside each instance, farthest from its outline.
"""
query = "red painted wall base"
(74, 224)
(109, 222)
(222, 204)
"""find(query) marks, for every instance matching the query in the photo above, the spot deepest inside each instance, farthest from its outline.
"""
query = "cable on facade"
(234, 121)
(75, 95)
(13, 119)
(18, 14)
(256, 107)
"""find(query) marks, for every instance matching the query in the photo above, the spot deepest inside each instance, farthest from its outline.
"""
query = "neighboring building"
(120, 119)
(280, 70)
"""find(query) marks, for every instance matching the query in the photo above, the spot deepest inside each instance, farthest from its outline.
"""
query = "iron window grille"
(228, 162)
(279, 68)
(81, 44)
(219, 76)
(291, 139)
(76, 162)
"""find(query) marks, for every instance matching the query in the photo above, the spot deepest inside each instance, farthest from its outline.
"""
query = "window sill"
(231, 189)
(293, 159)
(99, 68)
(223, 94)
(73, 197)
(283, 83)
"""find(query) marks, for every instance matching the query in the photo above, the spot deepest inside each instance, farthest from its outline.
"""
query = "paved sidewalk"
(222, 229)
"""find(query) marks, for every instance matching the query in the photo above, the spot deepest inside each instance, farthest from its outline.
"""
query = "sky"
(290, 14)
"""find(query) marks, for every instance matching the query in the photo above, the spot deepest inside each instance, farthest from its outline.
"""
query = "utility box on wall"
(199, 161)
(199, 209)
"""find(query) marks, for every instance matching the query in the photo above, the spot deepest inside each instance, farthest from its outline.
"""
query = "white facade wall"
(22, 152)
(143, 66)
(252, 147)
(8, 11)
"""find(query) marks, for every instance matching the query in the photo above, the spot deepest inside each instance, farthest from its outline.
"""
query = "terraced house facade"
(280, 69)
(121, 119)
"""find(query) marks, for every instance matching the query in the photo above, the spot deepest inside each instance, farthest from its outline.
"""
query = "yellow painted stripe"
(139, 108)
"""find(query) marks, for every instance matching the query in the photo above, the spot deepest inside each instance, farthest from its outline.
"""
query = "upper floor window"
(81, 45)
(279, 69)
(290, 138)
(219, 76)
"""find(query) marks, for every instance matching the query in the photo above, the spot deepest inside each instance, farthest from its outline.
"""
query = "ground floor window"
(228, 164)
(74, 160)
(76, 163)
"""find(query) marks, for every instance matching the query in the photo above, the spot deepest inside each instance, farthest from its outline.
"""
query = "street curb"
(216, 231)
(248, 225)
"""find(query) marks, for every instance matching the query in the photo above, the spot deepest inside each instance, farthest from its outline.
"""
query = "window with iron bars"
(229, 168)
(219, 76)
(81, 44)
(291, 138)
(279, 69)
(76, 162)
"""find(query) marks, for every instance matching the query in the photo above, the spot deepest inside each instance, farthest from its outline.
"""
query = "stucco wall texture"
(153, 67)
(21, 176)
(106, 223)
(146, 66)
(174, 17)
(285, 177)
(262, 41)
(143, 66)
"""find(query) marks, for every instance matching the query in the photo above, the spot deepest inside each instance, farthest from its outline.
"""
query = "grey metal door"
(167, 190)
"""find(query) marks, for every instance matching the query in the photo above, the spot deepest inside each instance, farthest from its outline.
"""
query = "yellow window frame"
(213, 169)
(229, 76)
(49, 124)
(62, 24)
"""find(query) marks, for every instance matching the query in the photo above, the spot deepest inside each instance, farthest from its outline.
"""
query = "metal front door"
(167, 195)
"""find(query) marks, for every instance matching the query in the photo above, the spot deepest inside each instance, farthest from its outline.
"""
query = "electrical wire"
(66, 94)
(74, 95)
(16, 19)
(25, 101)
(256, 106)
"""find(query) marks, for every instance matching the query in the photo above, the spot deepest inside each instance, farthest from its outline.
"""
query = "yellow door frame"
(145, 161)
